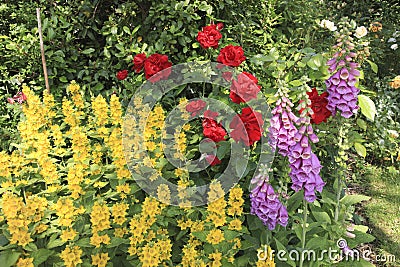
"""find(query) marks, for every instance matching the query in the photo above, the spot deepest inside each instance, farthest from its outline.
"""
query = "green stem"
(340, 172)
(303, 238)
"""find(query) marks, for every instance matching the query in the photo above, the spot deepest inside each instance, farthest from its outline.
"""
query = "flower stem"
(303, 238)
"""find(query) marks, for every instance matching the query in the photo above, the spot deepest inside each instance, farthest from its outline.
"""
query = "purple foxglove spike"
(343, 89)
(265, 187)
(343, 107)
(307, 168)
(270, 190)
(285, 99)
(341, 63)
(314, 138)
(348, 58)
(336, 55)
(344, 73)
(271, 225)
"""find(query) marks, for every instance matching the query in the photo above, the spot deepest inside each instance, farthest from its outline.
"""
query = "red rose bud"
(220, 26)
(209, 36)
(194, 107)
(231, 55)
(122, 74)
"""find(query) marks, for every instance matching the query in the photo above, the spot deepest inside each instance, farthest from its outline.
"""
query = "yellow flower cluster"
(115, 110)
(115, 144)
(217, 204)
(119, 213)
(100, 219)
(27, 262)
(66, 211)
(100, 110)
(35, 138)
(265, 260)
(215, 237)
(71, 256)
(74, 89)
(190, 253)
(235, 201)
(100, 260)
(153, 253)
(216, 258)
(19, 216)
(139, 226)
(164, 194)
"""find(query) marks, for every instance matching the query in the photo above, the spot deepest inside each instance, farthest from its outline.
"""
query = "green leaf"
(367, 107)
(9, 258)
(126, 29)
(361, 150)
(321, 216)
(88, 51)
(296, 83)
(374, 67)
(41, 255)
(353, 199)
(362, 124)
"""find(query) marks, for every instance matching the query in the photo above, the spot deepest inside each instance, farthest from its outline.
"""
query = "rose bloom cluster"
(19, 98)
(152, 65)
(245, 127)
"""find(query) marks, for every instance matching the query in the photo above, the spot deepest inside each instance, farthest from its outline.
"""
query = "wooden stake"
(46, 78)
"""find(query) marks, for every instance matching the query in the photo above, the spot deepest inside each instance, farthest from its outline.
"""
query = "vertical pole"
(46, 79)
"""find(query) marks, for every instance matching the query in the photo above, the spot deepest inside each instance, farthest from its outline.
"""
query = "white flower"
(328, 25)
(360, 32)
(392, 40)
(394, 46)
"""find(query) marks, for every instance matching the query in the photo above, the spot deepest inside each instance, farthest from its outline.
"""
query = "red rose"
(220, 26)
(122, 74)
(247, 126)
(213, 160)
(209, 36)
(231, 55)
(138, 62)
(20, 97)
(318, 106)
(213, 130)
(154, 64)
(195, 106)
(10, 100)
(244, 88)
